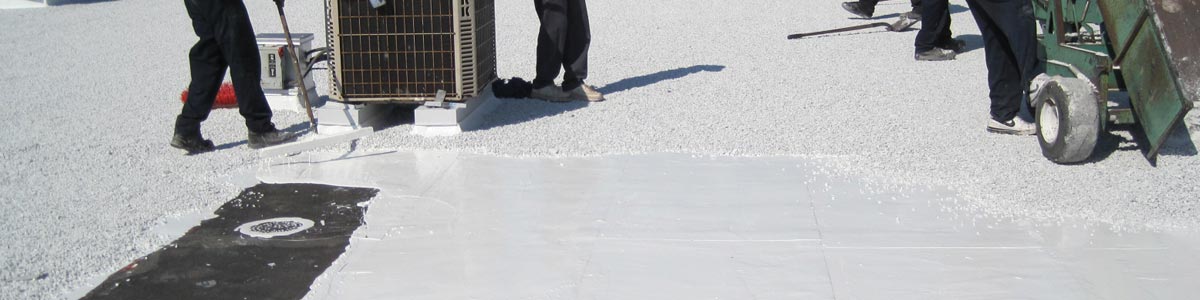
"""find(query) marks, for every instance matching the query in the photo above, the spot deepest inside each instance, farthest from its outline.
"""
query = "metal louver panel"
(407, 50)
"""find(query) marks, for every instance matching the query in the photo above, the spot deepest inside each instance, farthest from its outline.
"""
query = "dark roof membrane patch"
(270, 242)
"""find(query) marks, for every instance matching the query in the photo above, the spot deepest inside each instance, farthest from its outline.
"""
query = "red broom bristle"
(226, 98)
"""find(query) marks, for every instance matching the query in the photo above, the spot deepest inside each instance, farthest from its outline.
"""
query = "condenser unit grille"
(408, 50)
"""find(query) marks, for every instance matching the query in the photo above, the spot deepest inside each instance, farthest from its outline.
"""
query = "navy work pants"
(1010, 47)
(935, 26)
(562, 42)
(226, 41)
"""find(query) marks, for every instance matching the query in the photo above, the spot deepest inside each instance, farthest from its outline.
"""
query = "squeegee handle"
(296, 59)
(836, 30)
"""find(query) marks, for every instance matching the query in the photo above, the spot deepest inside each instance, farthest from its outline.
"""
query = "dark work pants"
(226, 41)
(562, 42)
(935, 25)
(1010, 47)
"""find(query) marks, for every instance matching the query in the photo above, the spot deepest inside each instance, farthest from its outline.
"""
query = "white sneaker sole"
(1011, 131)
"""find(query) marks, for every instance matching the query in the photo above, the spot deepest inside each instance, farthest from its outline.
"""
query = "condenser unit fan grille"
(408, 50)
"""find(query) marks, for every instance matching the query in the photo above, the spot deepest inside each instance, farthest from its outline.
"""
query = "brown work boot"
(551, 93)
(585, 93)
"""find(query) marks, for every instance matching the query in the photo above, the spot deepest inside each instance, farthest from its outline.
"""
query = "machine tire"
(1068, 119)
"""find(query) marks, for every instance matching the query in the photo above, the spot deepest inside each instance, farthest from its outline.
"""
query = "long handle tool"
(299, 74)
(899, 25)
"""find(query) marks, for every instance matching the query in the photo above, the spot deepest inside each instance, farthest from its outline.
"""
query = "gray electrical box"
(278, 68)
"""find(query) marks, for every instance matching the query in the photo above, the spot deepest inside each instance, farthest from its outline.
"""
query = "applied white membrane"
(462, 226)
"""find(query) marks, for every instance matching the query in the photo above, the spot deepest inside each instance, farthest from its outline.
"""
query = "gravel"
(93, 90)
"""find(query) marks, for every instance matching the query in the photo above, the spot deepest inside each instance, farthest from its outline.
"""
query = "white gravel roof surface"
(92, 91)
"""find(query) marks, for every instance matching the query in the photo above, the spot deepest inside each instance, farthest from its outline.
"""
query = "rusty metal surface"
(1150, 63)
(1179, 22)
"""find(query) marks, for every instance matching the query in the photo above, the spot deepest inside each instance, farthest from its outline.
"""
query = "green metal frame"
(1117, 45)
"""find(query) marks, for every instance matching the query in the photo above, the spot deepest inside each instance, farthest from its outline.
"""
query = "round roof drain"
(276, 227)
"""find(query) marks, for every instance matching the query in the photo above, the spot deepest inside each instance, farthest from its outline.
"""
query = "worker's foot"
(552, 93)
(193, 144)
(1016, 126)
(859, 9)
(269, 138)
(902, 24)
(955, 45)
(1035, 85)
(935, 54)
(914, 15)
(585, 93)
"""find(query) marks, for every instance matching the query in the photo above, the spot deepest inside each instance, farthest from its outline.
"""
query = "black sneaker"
(269, 138)
(193, 144)
(859, 9)
(955, 45)
(935, 54)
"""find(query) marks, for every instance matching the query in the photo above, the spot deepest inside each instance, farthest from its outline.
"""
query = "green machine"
(1101, 52)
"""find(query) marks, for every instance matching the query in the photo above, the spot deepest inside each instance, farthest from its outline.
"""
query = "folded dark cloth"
(512, 88)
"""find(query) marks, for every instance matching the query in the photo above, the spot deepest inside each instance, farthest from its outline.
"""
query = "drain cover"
(276, 227)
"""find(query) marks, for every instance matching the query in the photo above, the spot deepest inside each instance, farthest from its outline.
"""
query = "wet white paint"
(461, 226)
(177, 225)
(711, 78)
(20, 4)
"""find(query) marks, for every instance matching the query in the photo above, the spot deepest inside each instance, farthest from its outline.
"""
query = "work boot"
(269, 138)
(935, 54)
(859, 9)
(902, 24)
(1016, 126)
(955, 45)
(552, 93)
(193, 144)
(585, 93)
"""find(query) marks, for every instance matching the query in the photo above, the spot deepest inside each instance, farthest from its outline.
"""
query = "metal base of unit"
(454, 117)
(291, 100)
(341, 117)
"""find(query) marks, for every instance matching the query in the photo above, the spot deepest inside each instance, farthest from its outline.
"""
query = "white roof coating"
(671, 226)
(92, 89)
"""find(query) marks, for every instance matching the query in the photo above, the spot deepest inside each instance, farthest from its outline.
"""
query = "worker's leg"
(1004, 74)
(1022, 38)
(236, 37)
(552, 40)
(579, 39)
(935, 25)
(207, 70)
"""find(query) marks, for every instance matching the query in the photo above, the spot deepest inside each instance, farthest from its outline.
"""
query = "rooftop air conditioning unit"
(408, 50)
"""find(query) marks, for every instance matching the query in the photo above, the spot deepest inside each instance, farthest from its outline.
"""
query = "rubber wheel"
(1068, 120)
